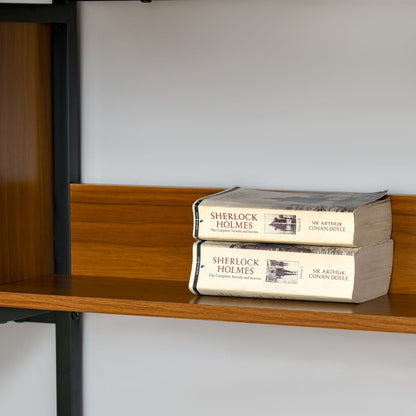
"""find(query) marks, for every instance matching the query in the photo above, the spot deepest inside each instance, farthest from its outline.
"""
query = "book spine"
(274, 226)
(269, 271)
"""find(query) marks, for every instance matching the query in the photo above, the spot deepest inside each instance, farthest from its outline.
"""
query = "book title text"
(235, 265)
(236, 221)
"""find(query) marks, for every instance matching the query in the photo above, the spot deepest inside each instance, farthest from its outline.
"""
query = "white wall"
(281, 94)
(275, 94)
(156, 366)
(312, 94)
(27, 369)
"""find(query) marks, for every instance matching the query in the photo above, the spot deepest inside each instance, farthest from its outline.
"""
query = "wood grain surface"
(26, 169)
(146, 232)
(404, 235)
(164, 298)
(133, 232)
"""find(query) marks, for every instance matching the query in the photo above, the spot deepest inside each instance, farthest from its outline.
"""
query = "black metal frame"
(62, 16)
(19, 315)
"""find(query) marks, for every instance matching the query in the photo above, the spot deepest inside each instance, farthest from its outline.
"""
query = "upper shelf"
(131, 254)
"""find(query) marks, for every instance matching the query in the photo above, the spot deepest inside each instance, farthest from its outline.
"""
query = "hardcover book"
(321, 218)
(278, 271)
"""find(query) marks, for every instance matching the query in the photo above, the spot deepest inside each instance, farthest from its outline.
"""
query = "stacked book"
(327, 246)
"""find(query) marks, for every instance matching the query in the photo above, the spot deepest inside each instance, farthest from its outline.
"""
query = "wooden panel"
(132, 232)
(26, 175)
(392, 313)
(138, 232)
(404, 236)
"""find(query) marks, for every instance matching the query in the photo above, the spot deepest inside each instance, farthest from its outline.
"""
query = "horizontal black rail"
(17, 314)
(36, 13)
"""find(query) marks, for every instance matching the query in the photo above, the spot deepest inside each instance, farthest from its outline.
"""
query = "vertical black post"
(61, 148)
(66, 169)
(68, 364)
(73, 96)
(66, 131)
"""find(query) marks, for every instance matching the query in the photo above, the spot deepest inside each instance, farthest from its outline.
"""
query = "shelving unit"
(130, 246)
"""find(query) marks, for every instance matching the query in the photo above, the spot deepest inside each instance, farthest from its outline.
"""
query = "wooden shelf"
(148, 297)
(144, 236)
(131, 254)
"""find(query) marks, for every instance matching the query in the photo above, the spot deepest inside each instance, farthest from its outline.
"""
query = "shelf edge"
(208, 312)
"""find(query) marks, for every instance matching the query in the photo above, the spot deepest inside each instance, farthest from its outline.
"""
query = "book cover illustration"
(325, 201)
(302, 201)
(298, 248)
(279, 224)
(280, 271)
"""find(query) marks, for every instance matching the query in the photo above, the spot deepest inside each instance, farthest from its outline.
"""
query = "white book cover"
(322, 218)
(339, 274)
